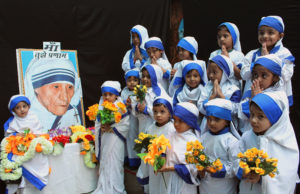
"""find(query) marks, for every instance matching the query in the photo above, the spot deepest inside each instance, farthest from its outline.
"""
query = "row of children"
(229, 122)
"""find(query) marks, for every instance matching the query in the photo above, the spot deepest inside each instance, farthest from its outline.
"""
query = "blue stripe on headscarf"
(132, 73)
(190, 67)
(221, 62)
(51, 79)
(271, 22)
(164, 102)
(188, 117)
(269, 64)
(139, 34)
(109, 89)
(231, 31)
(153, 78)
(187, 46)
(218, 112)
(155, 44)
(268, 106)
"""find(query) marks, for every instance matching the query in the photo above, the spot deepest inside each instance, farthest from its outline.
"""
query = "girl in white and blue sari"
(187, 50)
(218, 138)
(137, 55)
(182, 177)
(157, 56)
(271, 45)
(110, 144)
(231, 48)
(273, 133)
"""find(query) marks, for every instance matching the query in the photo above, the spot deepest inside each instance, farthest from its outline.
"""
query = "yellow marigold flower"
(274, 159)
(246, 170)
(212, 170)
(274, 170)
(240, 155)
(274, 164)
(197, 145)
(268, 160)
(122, 107)
(199, 167)
(137, 141)
(243, 164)
(196, 152)
(260, 153)
(190, 159)
(7, 170)
(189, 146)
(92, 112)
(202, 157)
(78, 128)
(118, 117)
(218, 164)
(257, 162)
(265, 155)
(272, 175)
(260, 171)
(250, 159)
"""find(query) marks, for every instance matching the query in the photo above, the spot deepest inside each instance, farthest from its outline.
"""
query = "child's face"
(146, 80)
(184, 54)
(269, 35)
(161, 114)
(259, 121)
(135, 39)
(214, 72)
(131, 82)
(193, 78)
(154, 52)
(265, 77)
(216, 124)
(110, 97)
(21, 109)
(180, 125)
(224, 38)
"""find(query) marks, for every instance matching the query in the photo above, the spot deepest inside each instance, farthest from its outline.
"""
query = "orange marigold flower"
(38, 148)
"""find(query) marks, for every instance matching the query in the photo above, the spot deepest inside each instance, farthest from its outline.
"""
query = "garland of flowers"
(25, 149)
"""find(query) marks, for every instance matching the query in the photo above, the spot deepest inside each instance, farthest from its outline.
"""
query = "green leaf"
(141, 155)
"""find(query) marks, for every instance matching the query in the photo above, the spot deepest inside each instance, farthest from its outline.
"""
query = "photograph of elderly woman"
(53, 87)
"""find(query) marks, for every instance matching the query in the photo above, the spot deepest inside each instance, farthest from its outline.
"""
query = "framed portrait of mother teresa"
(50, 79)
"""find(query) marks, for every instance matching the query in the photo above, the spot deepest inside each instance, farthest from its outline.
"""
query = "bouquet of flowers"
(92, 112)
(59, 143)
(24, 148)
(87, 140)
(257, 161)
(140, 92)
(195, 155)
(111, 113)
(143, 141)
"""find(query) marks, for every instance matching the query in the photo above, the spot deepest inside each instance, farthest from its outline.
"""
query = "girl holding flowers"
(110, 141)
(218, 140)
(182, 177)
(273, 133)
(163, 112)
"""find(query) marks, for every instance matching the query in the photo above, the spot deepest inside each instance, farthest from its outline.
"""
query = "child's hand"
(255, 88)
(264, 50)
(128, 102)
(105, 127)
(154, 60)
(141, 107)
(215, 91)
(137, 54)
(224, 51)
(173, 71)
(252, 177)
(219, 91)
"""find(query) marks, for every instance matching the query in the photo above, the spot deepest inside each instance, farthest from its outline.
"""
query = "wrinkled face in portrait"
(55, 97)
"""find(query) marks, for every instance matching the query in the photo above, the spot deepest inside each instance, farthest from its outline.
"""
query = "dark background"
(99, 31)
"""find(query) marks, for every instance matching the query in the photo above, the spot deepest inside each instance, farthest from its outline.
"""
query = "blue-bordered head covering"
(156, 75)
(271, 62)
(190, 44)
(187, 112)
(235, 34)
(226, 65)
(113, 87)
(15, 99)
(271, 104)
(165, 100)
(220, 108)
(186, 66)
(275, 22)
(142, 33)
(133, 72)
(154, 42)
